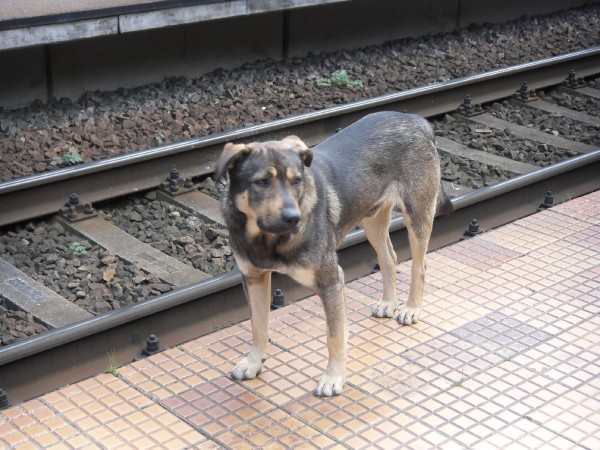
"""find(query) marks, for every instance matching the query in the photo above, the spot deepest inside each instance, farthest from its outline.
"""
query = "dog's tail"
(444, 204)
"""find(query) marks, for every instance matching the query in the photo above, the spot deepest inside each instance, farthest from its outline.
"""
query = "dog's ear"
(296, 144)
(231, 154)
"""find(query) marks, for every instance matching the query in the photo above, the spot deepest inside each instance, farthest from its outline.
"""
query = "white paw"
(246, 369)
(330, 385)
(384, 309)
(408, 316)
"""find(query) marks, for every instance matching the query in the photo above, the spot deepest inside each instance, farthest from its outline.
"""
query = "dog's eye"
(262, 182)
(297, 181)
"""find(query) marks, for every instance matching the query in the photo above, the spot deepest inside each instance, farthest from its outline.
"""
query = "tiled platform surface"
(507, 355)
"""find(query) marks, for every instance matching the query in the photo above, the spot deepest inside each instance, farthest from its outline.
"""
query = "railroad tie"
(552, 108)
(445, 145)
(589, 91)
(43, 303)
(531, 134)
(134, 251)
(198, 203)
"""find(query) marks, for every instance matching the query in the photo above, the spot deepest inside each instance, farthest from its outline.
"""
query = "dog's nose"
(290, 216)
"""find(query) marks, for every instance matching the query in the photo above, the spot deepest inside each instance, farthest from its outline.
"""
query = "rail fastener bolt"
(468, 108)
(175, 185)
(152, 346)
(548, 202)
(524, 94)
(278, 300)
(472, 231)
(573, 82)
(74, 211)
(174, 180)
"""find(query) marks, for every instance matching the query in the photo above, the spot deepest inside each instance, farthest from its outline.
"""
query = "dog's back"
(384, 157)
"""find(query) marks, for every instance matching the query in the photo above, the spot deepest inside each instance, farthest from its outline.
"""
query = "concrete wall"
(70, 68)
(138, 58)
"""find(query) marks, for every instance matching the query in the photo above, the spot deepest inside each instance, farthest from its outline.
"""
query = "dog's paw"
(330, 385)
(384, 309)
(408, 316)
(246, 370)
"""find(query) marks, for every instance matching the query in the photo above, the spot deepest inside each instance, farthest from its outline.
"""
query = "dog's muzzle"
(290, 216)
(287, 222)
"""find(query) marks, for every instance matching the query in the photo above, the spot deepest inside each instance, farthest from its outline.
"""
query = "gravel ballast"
(100, 125)
(548, 123)
(500, 142)
(85, 274)
(174, 232)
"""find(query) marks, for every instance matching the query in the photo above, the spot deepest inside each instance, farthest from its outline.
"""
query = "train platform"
(506, 356)
(25, 23)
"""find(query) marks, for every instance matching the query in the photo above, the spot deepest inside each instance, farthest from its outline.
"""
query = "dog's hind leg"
(377, 231)
(419, 227)
(258, 291)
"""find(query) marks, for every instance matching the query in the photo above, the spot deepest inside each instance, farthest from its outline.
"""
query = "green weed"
(69, 157)
(459, 383)
(77, 248)
(340, 78)
(113, 366)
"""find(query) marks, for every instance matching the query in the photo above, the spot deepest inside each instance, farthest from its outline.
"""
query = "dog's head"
(267, 182)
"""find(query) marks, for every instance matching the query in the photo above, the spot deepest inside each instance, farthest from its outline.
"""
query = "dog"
(288, 208)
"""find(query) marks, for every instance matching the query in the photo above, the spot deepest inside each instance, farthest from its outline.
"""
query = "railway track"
(194, 302)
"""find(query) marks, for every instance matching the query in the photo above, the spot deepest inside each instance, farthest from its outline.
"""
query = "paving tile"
(582, 208)
(106, 411)
(552, 224)
(223, 348)
(149, 427)
(506, 355)
(273, 429)
(34, 424)
(518, 238)
(478, 253)
(372, 340)
(512, 389)
(585, 335)
(360, 306)
(574, 415)
(443, 270)
(298, 323)
(476, 407)
(453, 358)
(525, 435)
(567, 258)
(500, 334)
(169, 373)
(286, 377)
(549, 312)
(528, 272)
(571, 359)
(80, 403)
(215, 405)
(351, 417)
(454, 306)
(588, 237)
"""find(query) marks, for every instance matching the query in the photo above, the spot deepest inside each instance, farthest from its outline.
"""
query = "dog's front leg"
(258, 288)
(333, 296)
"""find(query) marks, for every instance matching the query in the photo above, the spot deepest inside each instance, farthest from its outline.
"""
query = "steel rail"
(38, 195)
(36, 365)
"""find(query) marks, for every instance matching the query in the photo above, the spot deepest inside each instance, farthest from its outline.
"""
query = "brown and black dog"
(289, 207)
